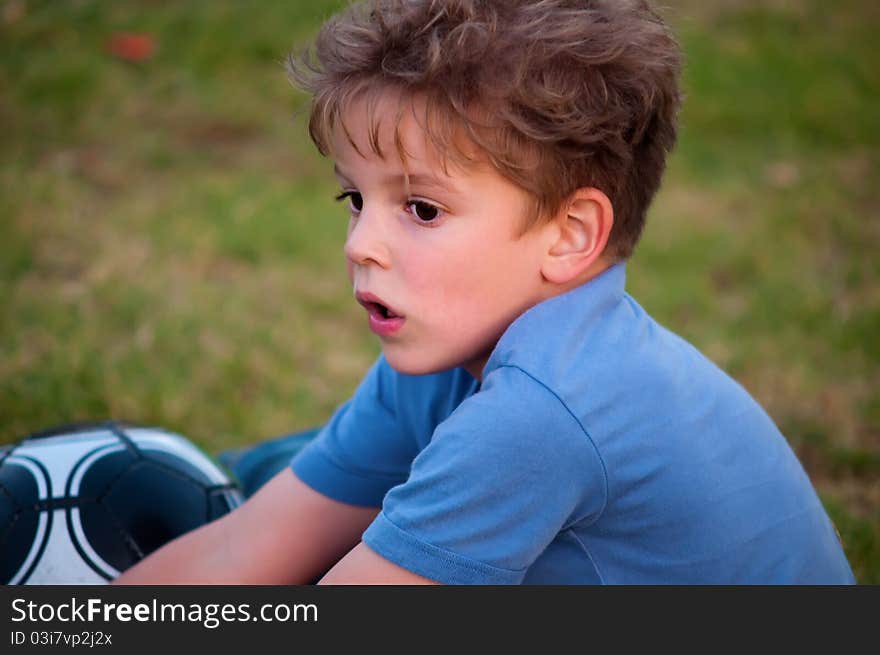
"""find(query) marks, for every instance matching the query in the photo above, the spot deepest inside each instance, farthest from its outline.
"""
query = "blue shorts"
(256, 465)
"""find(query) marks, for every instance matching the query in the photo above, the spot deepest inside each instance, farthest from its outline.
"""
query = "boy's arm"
(363, 566)
(287, 533)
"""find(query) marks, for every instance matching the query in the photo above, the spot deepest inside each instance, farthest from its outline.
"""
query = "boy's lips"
(384, 320)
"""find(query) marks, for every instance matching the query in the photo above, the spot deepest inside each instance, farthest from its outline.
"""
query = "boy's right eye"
(355, 200)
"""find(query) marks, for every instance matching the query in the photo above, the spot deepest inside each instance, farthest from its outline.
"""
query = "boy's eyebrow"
(414, 178)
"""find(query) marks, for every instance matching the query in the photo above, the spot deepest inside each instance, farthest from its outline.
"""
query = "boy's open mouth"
(384, 320)
(375, 306)
(380, 309)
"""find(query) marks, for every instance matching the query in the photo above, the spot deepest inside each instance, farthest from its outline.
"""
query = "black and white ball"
(79, 505)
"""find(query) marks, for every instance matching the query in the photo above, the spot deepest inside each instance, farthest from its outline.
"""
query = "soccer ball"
(80, 504)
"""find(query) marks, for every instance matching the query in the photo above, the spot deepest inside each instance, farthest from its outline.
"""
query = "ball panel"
(18, 520)
(36, 548)
(174, 466)
(96, 473)
(18, 484)
(23, 528)
(156, 504)
(60, 562)
(152, 441)
(102, 542)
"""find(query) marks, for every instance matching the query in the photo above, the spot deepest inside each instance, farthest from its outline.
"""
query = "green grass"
(170, 252)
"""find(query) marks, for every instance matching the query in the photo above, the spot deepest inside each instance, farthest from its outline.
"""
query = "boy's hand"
(286, 533)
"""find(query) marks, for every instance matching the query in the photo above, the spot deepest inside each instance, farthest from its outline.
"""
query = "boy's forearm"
(285, 534)
(198, 557)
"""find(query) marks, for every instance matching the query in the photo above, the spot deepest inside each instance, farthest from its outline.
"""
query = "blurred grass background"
(170, 253)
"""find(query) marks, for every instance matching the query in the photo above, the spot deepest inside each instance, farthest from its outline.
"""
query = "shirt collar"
(563, 313)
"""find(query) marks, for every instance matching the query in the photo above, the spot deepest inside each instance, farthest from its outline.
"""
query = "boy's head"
(481, 147)
(556, 94)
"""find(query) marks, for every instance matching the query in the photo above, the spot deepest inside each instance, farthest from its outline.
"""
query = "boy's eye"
(355, 200)
(423, 211)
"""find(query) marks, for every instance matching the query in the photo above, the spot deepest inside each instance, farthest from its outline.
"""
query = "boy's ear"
(580, 234)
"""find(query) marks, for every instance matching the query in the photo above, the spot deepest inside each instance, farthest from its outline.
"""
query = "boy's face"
(441, 271)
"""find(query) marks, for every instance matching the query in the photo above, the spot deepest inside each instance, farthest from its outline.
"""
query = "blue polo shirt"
(600, 448)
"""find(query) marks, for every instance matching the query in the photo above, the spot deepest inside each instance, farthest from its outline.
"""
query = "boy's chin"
(408, 365)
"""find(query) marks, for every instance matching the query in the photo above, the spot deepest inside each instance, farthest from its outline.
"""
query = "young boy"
(527, 421)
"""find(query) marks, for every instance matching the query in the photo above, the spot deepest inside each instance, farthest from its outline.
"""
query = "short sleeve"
(364, 450)
(507, 471)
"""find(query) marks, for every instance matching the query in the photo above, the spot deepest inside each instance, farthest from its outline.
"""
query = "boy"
(527, 421)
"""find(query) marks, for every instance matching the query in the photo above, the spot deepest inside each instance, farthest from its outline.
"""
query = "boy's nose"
(365, 242)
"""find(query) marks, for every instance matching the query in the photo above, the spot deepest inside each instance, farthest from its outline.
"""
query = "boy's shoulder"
(623, 376)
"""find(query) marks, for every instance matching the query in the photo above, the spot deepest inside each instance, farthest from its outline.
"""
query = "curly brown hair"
(556, 94)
